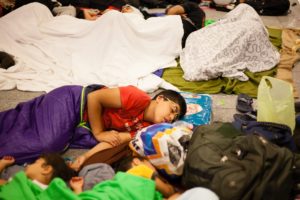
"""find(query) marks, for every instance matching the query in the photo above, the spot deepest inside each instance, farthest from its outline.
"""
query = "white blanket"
(237, 42)
(116, 49)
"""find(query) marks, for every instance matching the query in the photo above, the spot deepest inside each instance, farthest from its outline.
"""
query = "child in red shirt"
(80, 117)
(115, 114)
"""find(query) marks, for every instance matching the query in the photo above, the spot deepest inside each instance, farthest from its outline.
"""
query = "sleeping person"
(64, 50)
(192, 16)
(35, 178)
(136, 166)
(237, 42)
(81, 117)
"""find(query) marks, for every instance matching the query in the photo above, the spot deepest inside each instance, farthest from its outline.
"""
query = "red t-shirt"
(128, 118)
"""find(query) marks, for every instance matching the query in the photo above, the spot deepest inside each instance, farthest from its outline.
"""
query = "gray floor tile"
(271, 22)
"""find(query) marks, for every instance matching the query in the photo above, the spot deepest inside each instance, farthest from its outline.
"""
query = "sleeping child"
(35, 178)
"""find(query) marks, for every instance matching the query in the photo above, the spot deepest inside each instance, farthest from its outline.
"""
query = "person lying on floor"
(243, 46)
(123, 186)
(137, 178)
(139, 166)
(93, 14)
(35, 177)
(167, 106)
(192, 16)
(136, 166)
(81, 117)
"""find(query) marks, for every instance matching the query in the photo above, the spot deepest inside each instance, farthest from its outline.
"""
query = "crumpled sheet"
(237, 42)
(114, 50)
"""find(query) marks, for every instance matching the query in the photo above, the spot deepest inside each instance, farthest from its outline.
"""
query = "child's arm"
(175, 10)
(164, 187)
(76, 183)
(6, 161)
(77, 164)
(174, 196)
(97, 101)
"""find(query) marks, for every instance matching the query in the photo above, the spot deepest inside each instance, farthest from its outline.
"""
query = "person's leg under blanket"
(43, 124)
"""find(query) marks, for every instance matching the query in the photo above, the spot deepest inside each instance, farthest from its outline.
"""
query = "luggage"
(270, 7)
(279, 134)
(241, 167)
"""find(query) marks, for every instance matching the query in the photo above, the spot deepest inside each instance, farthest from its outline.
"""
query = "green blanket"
(124, 187)
(223, 85)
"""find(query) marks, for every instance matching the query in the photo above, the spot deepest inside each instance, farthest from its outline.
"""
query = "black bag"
(243, 167)
(270, 7)
(279, 134)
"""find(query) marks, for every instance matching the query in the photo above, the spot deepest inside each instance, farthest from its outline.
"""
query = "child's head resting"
(136, 165)
(174, 100)
(130, 161)
(48, 167)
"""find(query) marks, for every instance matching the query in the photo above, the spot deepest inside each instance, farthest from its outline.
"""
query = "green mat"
(221, 84)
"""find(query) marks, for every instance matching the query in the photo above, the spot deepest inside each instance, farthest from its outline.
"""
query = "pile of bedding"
(237, 42)
(116, 49)
(227, 85)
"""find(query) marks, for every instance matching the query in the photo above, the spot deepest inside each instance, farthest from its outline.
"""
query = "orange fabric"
(288, 56)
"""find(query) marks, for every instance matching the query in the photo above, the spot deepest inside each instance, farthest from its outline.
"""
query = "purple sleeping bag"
(48, 123)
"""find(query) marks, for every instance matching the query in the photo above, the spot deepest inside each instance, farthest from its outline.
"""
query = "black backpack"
(270, 7)
(238, 168)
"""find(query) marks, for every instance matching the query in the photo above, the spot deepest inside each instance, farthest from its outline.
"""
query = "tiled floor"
(223, 105)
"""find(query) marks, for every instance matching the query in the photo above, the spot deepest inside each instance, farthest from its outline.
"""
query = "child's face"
(166, 110)
(33, 170)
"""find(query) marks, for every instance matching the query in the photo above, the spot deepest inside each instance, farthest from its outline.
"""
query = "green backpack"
(240, 167)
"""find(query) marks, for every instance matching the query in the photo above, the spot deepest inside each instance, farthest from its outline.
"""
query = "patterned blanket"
(227, 48)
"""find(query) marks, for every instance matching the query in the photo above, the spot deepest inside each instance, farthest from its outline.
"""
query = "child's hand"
(77, 163)
(76, 184)
(111, 137)
(7, 161)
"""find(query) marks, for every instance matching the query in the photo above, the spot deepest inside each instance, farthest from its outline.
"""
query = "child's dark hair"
(125, 163)
(60, 168)
(176, 97)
